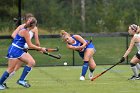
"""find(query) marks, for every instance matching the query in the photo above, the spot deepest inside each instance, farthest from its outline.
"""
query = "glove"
(122, 60)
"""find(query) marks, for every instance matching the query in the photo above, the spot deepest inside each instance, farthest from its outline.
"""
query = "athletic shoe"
(2, 87)
(134, 78)
(82, 78)
(23, 83)
(5, 85)
(90, 75)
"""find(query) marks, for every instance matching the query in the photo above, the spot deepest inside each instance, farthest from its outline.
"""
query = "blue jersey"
(78, 43)
(16, 48)
(19, 41)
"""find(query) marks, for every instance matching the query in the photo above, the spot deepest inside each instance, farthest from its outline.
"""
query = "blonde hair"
(64, 34)
(27, 16)
(30, 22)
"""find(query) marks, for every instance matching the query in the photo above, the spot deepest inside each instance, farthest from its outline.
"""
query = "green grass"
(108, 51)
(65, 79)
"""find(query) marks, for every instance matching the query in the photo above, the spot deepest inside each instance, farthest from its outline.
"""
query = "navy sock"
(4, 77)
(84, 68)
(25, 72)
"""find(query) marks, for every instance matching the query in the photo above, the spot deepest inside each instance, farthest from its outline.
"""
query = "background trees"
(100, 15)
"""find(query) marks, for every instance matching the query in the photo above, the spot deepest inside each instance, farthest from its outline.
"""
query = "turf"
(65, 79)
(108, 51)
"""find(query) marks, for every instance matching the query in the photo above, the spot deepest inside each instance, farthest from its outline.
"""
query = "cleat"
(2, 87)
(82, 78)
(134, 78)
(90, 75)
(4, 84)
(137, 78)
(24, 83)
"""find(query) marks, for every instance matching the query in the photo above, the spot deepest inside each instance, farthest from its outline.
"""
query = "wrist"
(40, 48)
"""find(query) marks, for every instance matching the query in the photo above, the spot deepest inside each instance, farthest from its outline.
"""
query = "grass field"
(108, 51)
(65, 79)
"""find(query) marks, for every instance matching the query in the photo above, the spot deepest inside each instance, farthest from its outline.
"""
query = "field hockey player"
(16, 53)
(32, 32)
(85, 49)
(134, 30)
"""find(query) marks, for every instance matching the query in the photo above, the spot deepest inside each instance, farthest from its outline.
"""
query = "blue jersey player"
(16, 53)
(33, 33)
(86, 50)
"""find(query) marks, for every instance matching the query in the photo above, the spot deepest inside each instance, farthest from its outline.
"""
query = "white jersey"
(137, 44)
(31, 36)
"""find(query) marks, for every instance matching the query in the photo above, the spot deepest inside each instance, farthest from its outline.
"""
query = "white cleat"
(90, 75)
(82, 78)
(2, 87)
(23, 83)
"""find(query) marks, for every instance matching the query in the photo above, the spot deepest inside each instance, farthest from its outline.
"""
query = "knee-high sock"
(4, 77)
(138, 66)
(84, 68)
(134, 69)
(25, 72)
(10, 75)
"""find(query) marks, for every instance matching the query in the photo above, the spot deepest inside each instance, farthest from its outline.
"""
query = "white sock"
(135, 70)
(138, 66)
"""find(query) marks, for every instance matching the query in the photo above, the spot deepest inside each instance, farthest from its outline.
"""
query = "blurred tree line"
(99, 15)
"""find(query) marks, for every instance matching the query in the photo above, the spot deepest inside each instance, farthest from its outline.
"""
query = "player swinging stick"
(85, 48)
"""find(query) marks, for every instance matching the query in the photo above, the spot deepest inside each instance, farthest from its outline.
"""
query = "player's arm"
(16, 31)
(79, 38)
(130, 47)
(70, 47)
(26, 35)
(37, 42)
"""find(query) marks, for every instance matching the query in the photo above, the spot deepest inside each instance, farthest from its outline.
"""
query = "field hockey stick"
(52, 55)
(104, 71)
(49, 49)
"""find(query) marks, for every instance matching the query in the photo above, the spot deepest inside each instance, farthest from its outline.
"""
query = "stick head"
(93, 79)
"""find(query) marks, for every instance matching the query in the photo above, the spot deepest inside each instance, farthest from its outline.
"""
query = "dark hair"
(31, 21)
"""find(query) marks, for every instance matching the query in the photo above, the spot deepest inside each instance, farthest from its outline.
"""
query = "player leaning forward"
(16, 52)
(85, 48)
(134, 30)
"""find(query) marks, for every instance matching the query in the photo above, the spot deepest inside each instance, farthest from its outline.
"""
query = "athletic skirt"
(91, 45)
(14, 52)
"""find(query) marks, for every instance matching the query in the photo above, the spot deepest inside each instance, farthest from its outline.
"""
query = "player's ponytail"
(30, 22)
